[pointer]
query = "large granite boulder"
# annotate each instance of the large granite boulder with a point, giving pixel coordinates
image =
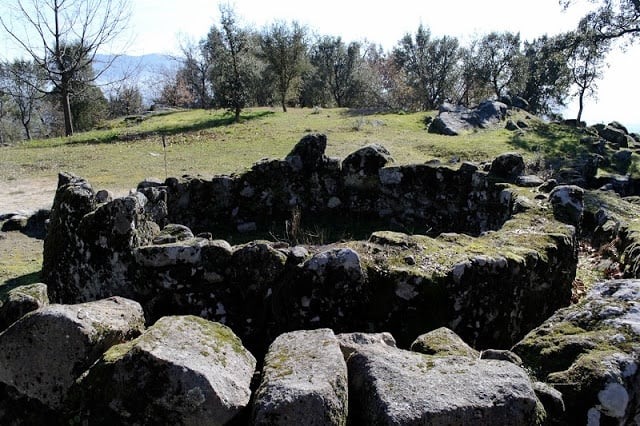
(454, 120)
(43, 353)
(590, 352)
(304, 381)
(449, 124)
(182, 370)
(21, 300)
(393, 386)
(614, 134)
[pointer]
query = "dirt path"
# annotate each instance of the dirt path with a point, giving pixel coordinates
(26, 194)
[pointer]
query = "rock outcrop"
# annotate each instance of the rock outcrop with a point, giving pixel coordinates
(182, 370)
(590, 353)
(454, 120)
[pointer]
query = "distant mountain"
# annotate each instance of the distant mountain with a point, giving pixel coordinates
(145, 71)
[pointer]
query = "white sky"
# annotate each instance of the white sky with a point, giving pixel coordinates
(158, 25)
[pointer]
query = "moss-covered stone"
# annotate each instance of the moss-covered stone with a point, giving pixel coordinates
(589, 352)
(443, 342)
(182, 370)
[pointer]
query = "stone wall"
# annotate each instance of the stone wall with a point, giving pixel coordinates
(495, 264)
(421, 198)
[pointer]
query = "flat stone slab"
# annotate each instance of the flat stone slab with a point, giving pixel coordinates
(304, 381)
(397, 387)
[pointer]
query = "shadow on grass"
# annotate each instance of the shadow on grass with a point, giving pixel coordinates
(32, 278)
(357, 112)
(554, 142)
(170, 130)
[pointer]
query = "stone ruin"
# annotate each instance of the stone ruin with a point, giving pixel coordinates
(495, 265)
(459, 253)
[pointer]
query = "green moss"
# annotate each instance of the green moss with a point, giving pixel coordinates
(117, 352)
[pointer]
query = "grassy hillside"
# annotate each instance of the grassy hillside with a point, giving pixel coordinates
(207, 143)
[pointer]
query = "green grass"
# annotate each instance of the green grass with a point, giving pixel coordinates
(202, 142)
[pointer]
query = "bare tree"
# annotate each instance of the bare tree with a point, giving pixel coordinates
(23, 82)
(64, 36)
(195, 72)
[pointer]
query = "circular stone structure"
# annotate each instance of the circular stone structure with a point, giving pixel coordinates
(354, 245)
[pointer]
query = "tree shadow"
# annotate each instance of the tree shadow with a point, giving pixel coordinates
(555, 143)
(31, 278)
(358, 112)
(171, 130)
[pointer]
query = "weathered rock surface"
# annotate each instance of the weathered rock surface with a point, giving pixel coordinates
(21, 300)
(351, 342)
(392, 386)
(42, 354)
(453, 120)
(568, 203)
(443, 342)
(590, 352)
(88, 253)
(304, 381)
(182, 370)
(508, 166)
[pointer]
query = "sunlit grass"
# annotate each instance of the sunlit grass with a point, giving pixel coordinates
(206, 142)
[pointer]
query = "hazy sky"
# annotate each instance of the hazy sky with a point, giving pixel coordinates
(158, 25)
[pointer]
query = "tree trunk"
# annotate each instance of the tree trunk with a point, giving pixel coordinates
(580, 106)
(66, 109)
(237, 117)
(27, 131)
(283, 101)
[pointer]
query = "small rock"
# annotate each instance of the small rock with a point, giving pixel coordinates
(351, 342)
(551, 399)
(20, 301)
(548, 186)
(103, 196)
(529, 181)
(443, 342)
(501, 355)
(173, 233)
(511, 126)
(15, 223)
